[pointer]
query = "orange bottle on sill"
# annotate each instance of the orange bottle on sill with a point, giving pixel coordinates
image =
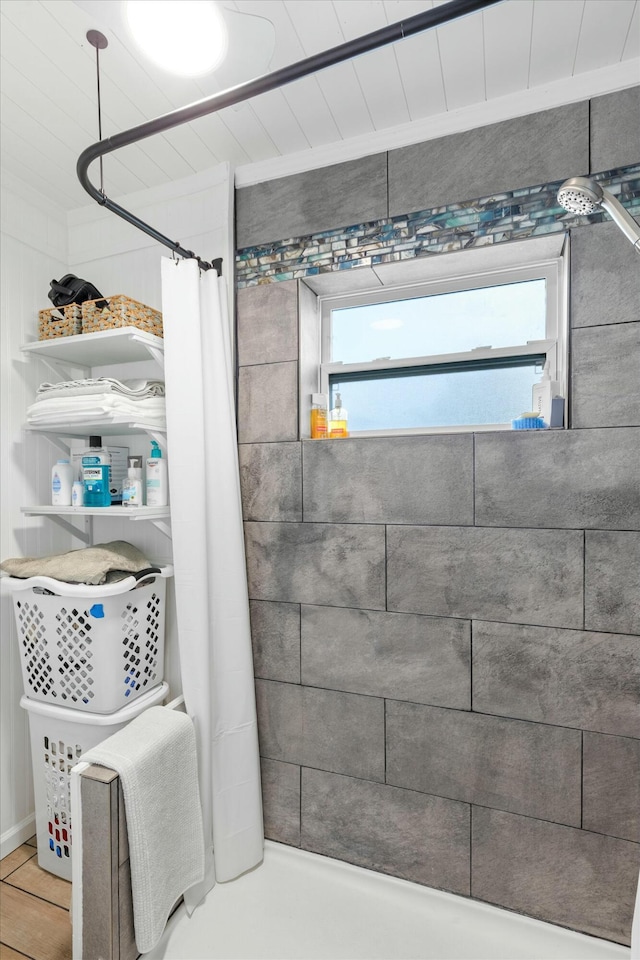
(319, 418)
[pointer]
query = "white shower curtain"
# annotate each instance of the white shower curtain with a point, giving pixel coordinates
(210, 574)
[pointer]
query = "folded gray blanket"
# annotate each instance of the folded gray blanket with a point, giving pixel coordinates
(102, 563)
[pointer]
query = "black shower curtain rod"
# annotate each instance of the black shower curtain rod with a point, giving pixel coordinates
(252, 88)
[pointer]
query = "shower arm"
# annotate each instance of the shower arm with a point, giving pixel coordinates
(621, 217)
(252, 88)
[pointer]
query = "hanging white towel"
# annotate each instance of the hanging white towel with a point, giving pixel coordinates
(155, 756)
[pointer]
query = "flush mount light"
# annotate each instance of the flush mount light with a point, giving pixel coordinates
(187, 37)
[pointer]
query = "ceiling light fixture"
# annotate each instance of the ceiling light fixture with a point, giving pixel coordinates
(187, 37)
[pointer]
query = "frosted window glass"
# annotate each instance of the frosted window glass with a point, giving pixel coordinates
(497, 316)
(465, 397)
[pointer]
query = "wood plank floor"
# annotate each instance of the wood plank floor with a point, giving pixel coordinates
(34, 909)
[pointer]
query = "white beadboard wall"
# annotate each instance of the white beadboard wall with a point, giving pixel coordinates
(34, 250)
(40, 243)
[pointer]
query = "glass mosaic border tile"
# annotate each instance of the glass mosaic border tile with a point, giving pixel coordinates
(528, 212)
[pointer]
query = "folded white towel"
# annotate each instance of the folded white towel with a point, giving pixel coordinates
(155, 756)
(96, 407)
(134, 389)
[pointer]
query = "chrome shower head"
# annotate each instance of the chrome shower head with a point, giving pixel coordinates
(580, 195)
(583, 196)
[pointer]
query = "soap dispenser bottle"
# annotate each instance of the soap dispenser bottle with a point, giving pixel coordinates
(157, 480)
(132, 489)
(338, 420)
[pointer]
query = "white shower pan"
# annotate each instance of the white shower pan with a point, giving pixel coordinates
(299, 906)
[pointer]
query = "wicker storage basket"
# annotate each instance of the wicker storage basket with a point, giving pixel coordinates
(51, 325)
(120, 311)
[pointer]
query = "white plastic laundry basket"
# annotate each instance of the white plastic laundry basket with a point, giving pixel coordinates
(58, 738)
(91, 648)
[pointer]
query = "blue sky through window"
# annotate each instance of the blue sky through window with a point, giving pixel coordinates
(443, 323)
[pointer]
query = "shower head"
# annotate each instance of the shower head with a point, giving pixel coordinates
(584, 196)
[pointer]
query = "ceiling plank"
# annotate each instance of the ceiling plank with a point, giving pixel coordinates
(507, 46)
(317, 28)
(377, 72)
(554, 39)
(598, 47)
(461, 45)
(418, 59)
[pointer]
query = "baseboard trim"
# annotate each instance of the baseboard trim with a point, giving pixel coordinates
(11, 839)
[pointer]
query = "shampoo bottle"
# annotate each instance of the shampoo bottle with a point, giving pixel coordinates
(132, 490)
(338, 420)
(157, 480)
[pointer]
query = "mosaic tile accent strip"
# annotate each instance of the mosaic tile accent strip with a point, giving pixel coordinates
(502, 217)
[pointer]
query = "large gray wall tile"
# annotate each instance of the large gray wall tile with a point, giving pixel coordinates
(275, 635)
(605, 280)
(337, 564)
(268, 322)
(537, 148)
(323, 199)
(271, 481)
(281, 801)
(341, 732)
(564, 478)
(426, 659)
(528, 768)
(605, 375)
(612, 786)
(612, 581)
(568, 677)
(519, 576)
(268, 402)
(577, 879)
(401, 832)
(615, 131)
(394, 480)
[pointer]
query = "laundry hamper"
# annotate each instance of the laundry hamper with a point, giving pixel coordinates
(91, 648)
(58, 738)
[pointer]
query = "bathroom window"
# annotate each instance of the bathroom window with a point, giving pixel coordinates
(456, 352)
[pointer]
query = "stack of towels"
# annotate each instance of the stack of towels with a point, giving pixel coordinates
(99, 400)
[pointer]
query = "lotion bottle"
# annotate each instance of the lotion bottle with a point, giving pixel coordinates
(157, 480)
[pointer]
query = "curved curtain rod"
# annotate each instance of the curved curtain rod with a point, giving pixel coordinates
(252, 88)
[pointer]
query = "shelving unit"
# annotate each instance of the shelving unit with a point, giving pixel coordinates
(122, 345)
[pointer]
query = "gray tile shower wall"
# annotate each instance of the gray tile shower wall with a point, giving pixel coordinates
(446, 628)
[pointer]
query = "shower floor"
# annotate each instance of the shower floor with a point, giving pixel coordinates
(298, 905)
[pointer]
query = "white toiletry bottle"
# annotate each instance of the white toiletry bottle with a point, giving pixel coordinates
(61, 483)
(77, 494)
(157, 480)
(542, 394)
(132, 489)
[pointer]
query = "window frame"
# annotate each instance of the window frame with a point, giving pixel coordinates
(554, 270)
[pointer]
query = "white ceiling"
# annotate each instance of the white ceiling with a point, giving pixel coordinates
(511, 58)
